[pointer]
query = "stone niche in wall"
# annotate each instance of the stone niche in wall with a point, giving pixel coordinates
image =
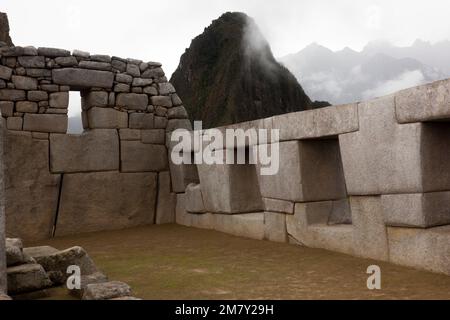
(113, 175)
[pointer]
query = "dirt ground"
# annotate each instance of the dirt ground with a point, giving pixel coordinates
(175, 262)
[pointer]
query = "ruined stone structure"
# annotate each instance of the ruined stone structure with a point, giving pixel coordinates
(115, 174)
(370, 179)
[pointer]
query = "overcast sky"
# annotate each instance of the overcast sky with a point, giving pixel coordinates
(161, 30)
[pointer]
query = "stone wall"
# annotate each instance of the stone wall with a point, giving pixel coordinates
(371, 179)
(115, 174)
(2, 215)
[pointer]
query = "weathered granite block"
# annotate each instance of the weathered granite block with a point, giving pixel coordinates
(163, 101)
(107, 118)
(141, 120)
(167, 200)
(281, 206)
(385, 157)
(94, 99)
(424, 103)
(249, 225)
(37, 95)
(24, 83)
(94, 150)
(26, 278)
(53, 52)
(7, 108)
(194, 199)
(417, 209)
(318, 123)
(369, 229)
(12, 94)
(83, 78)
(14, 123)
(427, 249)
(26, 106)
(127, 200)
(45, 123)
(139, 157)
(31, 191)
(153, 136)
(133, 101)
(5, 73)
(275, 227)
(32, 61)
(130, 134)
(106, 290)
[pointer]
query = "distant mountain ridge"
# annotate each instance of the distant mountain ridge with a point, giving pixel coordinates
(229, 75)
(380, 68)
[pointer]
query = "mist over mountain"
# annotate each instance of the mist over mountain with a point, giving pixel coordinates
(229, 75)
(380, 68)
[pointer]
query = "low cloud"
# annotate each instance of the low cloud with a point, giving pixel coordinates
(403, 81)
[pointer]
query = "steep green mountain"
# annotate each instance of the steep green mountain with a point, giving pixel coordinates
(4, 29)
(229, 75)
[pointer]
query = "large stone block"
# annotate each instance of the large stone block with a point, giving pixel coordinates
(107, 118)
(385, 157)
(94, 150)
(12, 94)
(142, 121)
(417, 209)
(136, 156)
(133, 101)
(194, 199)
(369, 229)
(230, 188)
(167, 200)
(106, 290)
(31, 191)
(45, 123)
(249, 225)
(308, 227)
(427, 249)
(202, 220)
(106, 201)
(181, 215)
(24, 83)
(281, 206)
(59, 100)
(94, 99)
(424, 103)
(83, 78)
(55, 263)
(382, 157)
(26, 278)
(308, 171)
(275, 227)
(317, 123)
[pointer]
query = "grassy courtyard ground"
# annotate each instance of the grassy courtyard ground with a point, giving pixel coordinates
(175, 262)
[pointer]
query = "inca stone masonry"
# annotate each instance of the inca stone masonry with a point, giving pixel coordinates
(371, 179)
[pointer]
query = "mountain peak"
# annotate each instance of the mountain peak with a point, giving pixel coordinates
(229, 75)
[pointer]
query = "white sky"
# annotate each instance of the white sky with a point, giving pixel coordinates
(161, 30)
